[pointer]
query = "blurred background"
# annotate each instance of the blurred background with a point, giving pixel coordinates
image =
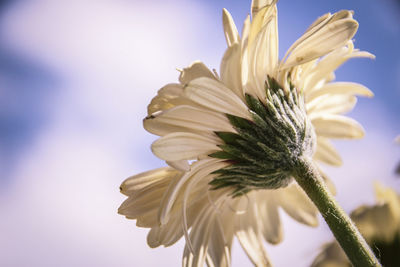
(75, 80)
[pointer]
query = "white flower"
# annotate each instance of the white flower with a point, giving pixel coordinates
(197, 118)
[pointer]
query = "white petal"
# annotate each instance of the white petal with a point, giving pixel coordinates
(198, 170)
(199, 236)
(164, 97)
(194, 71)
(263, 58)
(187, 119)
(215, 96)
(322, 71)
(257, 5)
(219, 244)
(337, 126)
(183, 146)
(249, 237)
(340, 88)
(269, 215)
(231, 70)
(294, 201)
(180, 165)
(324, 40)
(230, 30)
(142, 180)
(327, 153)
(330, 104)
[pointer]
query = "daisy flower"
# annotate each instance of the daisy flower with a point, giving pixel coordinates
(231, 140)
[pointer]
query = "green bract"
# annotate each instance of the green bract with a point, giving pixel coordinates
(264, 151)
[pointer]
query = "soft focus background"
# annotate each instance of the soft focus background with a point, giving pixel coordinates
(75, 80)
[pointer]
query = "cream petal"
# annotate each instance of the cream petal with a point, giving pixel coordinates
(164, 97)
(220, 242)
(198, 170)
(145, 179)
(183, 146)
(180, 165)
(318, 25)
(340, 88)
(231, 69)
(249, 236)
(216, 96)
(295, 203)
(330, 104)
(337, 126)
(327, 65)
(194, 71)
(230, 30)
(327, 153)
(263, 59)
(187, 119)
(268, 210)
(322, 41)
(199, 236)
(257, 5)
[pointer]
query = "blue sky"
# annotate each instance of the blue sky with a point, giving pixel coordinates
(75, 80)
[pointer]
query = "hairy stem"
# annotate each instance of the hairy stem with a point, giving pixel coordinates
(344, 230)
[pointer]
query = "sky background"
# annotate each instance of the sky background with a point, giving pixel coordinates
(75, 81)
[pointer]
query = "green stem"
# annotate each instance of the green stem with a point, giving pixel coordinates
(344, 230)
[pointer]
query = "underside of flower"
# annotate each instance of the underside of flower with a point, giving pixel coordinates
(265, 149)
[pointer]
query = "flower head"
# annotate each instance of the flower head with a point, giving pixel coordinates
(242, 132)
(379, 224)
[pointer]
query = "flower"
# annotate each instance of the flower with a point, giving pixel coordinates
(230, 139)
(379, 224)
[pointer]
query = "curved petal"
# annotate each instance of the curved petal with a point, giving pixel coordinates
(231, 69)
(216, 96)
(327, 153)
(183, 146)
(330, 104)
(230, 30)
(249, 236)
(322, 41)
(335, 88)
(194, 71)
(145, 179)
(187, 119)
(271, 226)
(295, 203)
(199, 169)
(166, 98)
(337, 126)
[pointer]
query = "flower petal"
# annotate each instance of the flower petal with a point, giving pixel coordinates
(294, 201)
(269, 215)
(330, 36)
(249, 236)
(337, 126)
(263, 58)
(216, 96)
(199, 169)
(330, 104)
(183, 146)
(164, 98)
(230, 30)
(145, 179)
(187, 119)
(231, 70)
(347, 88)
(196, 70)
(327, 153)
